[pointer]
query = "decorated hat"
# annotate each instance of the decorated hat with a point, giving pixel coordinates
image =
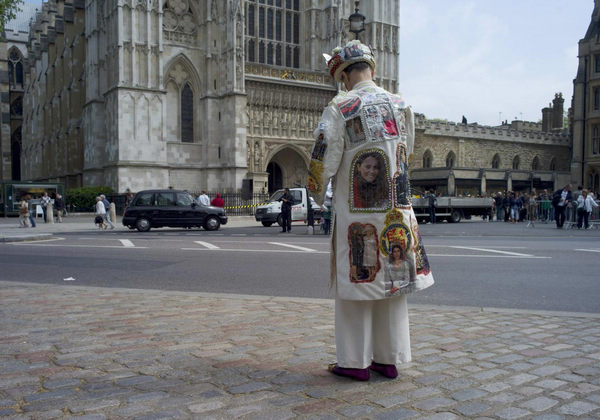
(353, 52)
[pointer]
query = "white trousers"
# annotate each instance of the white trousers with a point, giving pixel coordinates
(372, 330)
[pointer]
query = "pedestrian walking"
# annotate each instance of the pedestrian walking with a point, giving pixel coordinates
(31, 205)
(59, 207)
(23, 212)
(45, 201)
(560, 200)
(371, 324)
(106, 216)
(585, 205)
(100, 218)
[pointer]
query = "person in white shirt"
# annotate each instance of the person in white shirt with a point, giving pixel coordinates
(585, 203)
(203, 199)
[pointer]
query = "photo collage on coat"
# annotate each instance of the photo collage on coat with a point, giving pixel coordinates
(364, 252)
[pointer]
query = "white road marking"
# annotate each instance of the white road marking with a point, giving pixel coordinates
(76, 246)
(516, 254)
(588, 250)
(69, 279)
(258, 250)
(301, 248)
(126, 243)
(488, 256)
(207, 245)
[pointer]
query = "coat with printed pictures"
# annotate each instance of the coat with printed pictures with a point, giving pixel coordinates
(363, 141)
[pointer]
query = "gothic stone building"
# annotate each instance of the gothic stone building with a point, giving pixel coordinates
(461, 159)
(585, 117)
(221, 94)
(196, 94)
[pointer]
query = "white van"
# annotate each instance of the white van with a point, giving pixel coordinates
(270, 212)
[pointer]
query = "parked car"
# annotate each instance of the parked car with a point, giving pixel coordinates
(270, 212)
(170, 208)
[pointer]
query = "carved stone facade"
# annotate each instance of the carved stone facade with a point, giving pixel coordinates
(585, 116)
(210, 94)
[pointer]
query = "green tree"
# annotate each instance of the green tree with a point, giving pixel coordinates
(8, 11)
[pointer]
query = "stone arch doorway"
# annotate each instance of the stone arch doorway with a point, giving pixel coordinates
(287, 168)
(275, 177)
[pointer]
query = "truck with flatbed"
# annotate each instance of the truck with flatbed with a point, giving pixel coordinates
(453, 209)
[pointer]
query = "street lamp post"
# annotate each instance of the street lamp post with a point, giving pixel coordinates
(357, 21)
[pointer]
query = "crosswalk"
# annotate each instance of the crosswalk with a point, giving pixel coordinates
(305, 245)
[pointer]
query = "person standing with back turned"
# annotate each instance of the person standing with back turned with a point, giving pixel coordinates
(371, 312)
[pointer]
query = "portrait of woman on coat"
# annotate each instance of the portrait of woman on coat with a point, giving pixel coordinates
(370, 183)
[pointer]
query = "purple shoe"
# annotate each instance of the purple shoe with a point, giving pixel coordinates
(389, 371)
(358, 374)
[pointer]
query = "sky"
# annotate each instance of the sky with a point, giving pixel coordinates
(489, 60)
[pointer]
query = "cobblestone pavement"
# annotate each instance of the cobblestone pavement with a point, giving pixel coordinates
(95, 353)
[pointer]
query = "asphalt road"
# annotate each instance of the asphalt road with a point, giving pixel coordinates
(471, 266)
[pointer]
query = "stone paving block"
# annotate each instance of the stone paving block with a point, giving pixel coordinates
(520, 379)
(471, 409)
(90, 417)
(433, 404)
(512, 413)
(161, 415)
(494, 387)
(390, 401)
(539, 404)
(504, 398)
(563, 395)
(424, 393)
(578, 408)
(550, 383)
(468, 394)
(441, 416)
(397, 414)
(355, 411)
(203, 407)
(548, 417)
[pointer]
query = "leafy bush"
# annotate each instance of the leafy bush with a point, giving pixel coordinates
(84, 198)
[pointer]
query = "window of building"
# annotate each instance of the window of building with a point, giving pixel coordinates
(15, 68)
(16, 107)
(516, 163)
(596, 99)
(427, 159)
(597, 64)
(496, 161)
(187, 114)
(553, 164)
(278, 33)
(595, 139)
(535, 164)
(450, 160)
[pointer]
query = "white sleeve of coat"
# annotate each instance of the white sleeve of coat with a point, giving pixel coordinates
(328, 152)
(410, 129)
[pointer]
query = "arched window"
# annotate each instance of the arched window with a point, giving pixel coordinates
(16, 107)
(187, 114)
(516, 162)
(553, 164)
(427, 159)
(496, 161)
(250, 53)
(15, 68)
(535, 164)
(450, 160)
